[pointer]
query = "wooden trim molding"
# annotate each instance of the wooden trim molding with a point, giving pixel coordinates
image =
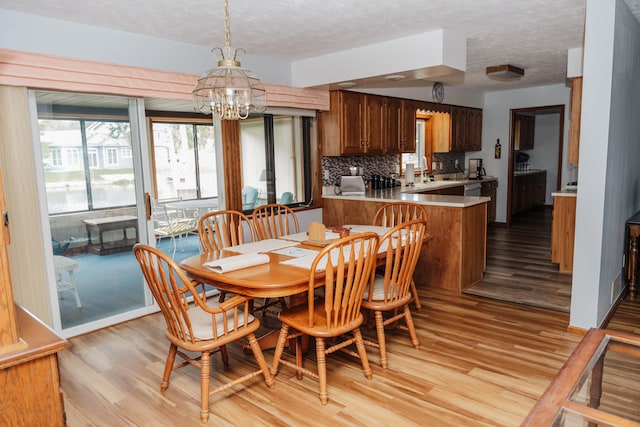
(39, 71)
(232, 156)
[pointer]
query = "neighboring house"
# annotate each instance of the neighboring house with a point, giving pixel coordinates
(66, 152)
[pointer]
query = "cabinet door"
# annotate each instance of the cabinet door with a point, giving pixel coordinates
(459, 128)
(408, 126)
(352, 139)
(395, 126)
(574, 126)
(474, 142)
(374, 126)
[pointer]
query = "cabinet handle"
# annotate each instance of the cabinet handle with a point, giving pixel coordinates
(362, 143)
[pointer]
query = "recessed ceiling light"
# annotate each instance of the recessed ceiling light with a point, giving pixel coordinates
(346, 84)
(395, 77)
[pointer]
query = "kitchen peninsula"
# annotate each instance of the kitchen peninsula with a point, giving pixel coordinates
(455, 257)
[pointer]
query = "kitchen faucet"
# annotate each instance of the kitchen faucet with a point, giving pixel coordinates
(424, 166)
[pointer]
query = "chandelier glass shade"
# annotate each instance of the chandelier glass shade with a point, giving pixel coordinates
(229, 92)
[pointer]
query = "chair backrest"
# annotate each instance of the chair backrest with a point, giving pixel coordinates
(401, 248)
(170, 288)
(348, 265)
(286, 198)
(396, 213)
(274, 220)
(249, 197)
(220, 229)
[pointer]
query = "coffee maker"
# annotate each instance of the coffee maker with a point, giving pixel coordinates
(476, 171)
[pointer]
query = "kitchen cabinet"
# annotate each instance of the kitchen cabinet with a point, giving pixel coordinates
(490, 189)
(394, 125)
(465, 131)
(528, 191)
(563, 230)
(408, 126)
(574, 126)
(449, 191)
(361, 124)
(524, 132)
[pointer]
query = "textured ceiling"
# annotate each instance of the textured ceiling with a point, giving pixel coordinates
(534, 35)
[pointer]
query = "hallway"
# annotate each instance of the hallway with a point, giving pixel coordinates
(519, 267)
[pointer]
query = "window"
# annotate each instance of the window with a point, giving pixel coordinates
(55, 158)
(125, 152)
(184, 159)
(275, 160)
(72, 157)
(112, 156)
(419, 157)
(78, 179)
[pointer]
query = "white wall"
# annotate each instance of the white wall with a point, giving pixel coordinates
(31, 33)
(609, 177)
(545, 152)
(496, 122)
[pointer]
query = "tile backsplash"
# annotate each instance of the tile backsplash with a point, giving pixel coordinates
(371, 165)
(384, 165)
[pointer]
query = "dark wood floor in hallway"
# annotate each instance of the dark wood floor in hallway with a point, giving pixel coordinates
(519, 267)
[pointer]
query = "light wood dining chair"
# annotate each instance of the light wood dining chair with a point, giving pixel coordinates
(391, 291)
(344, 269)
(219, 230)
(274, 220)
(392, 214)
(197, 327)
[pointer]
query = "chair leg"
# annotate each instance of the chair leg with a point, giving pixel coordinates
(322, 370)
(416, 299)
(257, 353)
(168, 367)
(382, 343)
(411, 327)
(362, 352)
(282, 340)
(205, 370)
(225, 356)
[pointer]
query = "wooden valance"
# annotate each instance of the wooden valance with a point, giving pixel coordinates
(39, 71)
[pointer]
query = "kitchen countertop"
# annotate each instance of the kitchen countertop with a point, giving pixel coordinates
(411, 194)
(565, 193)
(527, 172)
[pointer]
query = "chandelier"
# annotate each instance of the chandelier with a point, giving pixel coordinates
(229, 92)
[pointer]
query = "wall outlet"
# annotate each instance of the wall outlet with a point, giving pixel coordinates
(326, 174)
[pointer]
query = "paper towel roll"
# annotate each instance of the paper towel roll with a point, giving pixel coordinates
(409, 176)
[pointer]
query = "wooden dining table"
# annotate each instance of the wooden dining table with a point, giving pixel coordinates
(270, 280)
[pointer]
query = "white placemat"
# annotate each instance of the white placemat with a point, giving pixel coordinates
(237, 262)
(261, 246)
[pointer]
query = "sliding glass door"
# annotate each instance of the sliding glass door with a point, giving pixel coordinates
(94, 180)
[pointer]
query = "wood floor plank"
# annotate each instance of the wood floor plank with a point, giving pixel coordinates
(481, 362)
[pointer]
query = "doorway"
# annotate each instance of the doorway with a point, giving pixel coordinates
(544, 133)
(92, 175)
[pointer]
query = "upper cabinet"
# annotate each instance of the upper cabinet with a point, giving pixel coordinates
(525, 126)
(358, 124)
(408, 126)
(574, 127)
(460, 131)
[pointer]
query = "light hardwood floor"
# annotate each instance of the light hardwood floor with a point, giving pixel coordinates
(481, 362)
